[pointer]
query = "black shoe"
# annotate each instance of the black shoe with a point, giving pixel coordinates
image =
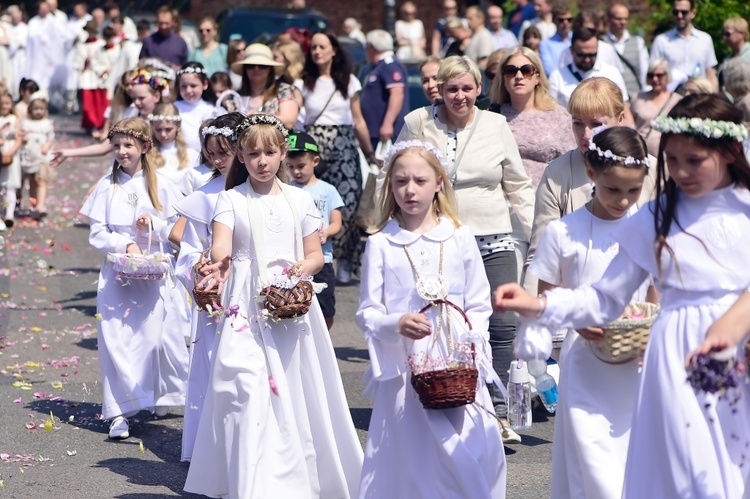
(9, 223)
(38, 215)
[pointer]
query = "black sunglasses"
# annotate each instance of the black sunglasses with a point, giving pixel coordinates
(490, 74)
(584, 55)
(527, 70)
(727, 34)
(676, 12)
(565, 19)
(255, 66)
(655, 75)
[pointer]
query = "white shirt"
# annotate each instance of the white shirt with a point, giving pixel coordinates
(193, 114)
(503, 39)
(562, 82)
(338, 111)
(547, 29)
(605, 53)
(687, 56)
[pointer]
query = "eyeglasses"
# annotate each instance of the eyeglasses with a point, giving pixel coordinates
(527, 70)
(208, 30)
(565, 19)
(680, 12)
(584, 55)
(655, 75)
(727, 34)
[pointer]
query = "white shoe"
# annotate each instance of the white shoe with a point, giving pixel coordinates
(508, 434)
(119, 428)
(161, 411)
(343, 271)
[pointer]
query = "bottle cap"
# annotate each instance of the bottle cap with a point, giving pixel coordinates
(518, 372)
(536, 367)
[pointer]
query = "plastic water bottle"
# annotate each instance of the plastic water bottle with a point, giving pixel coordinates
(546, 386)
(519, 396)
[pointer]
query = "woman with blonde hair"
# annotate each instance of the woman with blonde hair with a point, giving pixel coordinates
(657, 101)
(485, 168)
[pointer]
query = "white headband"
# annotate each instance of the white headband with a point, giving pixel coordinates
(401, 146)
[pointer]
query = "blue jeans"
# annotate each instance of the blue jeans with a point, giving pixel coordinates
(501, 268)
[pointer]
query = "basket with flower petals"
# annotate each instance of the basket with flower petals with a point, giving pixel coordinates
(445, 382)
(289, 296)
(625, 339)
(141, 266)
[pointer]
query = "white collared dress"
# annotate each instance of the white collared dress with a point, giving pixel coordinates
(412, 451)
(142, 353)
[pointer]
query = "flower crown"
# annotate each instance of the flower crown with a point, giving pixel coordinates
(192, 70)
(705, 127)
(626, 160)
(398, 147)
(260, 119)
(164, 117)
(155, 80)
(132, 133)
(158, 64)
(212, 130)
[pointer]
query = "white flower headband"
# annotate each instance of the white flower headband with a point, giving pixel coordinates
(163, 117)
(191, 70)
(261, 119)
(401, 146)
(626, 160)
(168, 72)
(705, 127)
(212, 130)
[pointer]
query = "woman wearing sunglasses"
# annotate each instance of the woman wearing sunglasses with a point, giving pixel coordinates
(261, 91)
(486, 169)
(210, 52)
(520, 92)
(657, 101)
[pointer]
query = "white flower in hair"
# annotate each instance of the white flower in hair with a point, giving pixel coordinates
(626, 160)
(212, 130)
(704, 127)
(191, 70)
(407, 144)
(163, 117)
(261, 119)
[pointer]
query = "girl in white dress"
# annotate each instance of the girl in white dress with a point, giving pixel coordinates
(196, 212)
(39, 135)
(142, 355)
(173, 158)
(692, 239)
(10, 175)
(275, 421)
(412, 451)
(593, 417)
(195, 101)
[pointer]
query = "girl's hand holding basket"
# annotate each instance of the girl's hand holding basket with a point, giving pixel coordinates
(414, 325)
(216, 274)
(143, 223)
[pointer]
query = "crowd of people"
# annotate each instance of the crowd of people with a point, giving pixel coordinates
(558, 163)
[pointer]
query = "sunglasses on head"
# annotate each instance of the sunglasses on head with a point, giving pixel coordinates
(584, 55)
(677, 12)
(527, 70)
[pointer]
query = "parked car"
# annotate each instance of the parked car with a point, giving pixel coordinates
(262, 24)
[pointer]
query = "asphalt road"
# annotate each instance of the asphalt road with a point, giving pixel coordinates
(49, 370)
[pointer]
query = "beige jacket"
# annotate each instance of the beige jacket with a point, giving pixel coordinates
(564, 188)
(489, 170)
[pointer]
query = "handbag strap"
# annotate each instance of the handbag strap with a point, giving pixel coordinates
(658, 113)
(324, 107)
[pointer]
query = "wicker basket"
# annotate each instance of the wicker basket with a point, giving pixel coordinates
(625, 339)
(447, 388)
(204, 298)
(288, 302)
(141, 266)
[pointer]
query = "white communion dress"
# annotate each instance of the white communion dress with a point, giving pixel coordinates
(198, 209)
(275, 421)
(142, 355)
(412, 451)
(681, 444)
(595, 408)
